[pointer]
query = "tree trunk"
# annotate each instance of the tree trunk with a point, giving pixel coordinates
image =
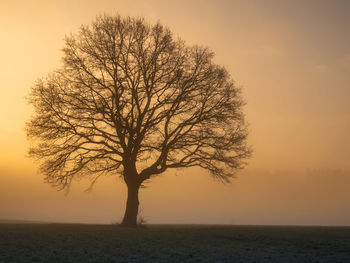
(132, 206)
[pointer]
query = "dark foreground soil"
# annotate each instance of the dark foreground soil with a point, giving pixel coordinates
(172, 243)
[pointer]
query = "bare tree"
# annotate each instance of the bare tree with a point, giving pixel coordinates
(132, 101)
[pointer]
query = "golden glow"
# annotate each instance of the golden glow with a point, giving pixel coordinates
(293, 60)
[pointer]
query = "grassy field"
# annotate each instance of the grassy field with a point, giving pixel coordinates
(172, 243)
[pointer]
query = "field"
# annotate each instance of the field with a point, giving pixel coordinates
(172, 243)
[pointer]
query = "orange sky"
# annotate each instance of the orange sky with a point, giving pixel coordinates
(292, 59)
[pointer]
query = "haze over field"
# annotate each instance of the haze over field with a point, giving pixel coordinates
(292, 59)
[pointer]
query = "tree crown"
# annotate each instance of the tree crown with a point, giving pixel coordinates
(132, 100)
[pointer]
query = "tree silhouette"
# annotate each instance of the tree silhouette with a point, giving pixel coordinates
(131, 100)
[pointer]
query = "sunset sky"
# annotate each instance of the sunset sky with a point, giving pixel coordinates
(292, 59)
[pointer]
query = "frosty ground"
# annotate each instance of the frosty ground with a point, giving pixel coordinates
(172, 243)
